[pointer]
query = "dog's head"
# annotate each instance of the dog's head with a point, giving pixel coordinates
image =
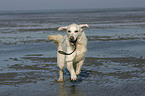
(73, 32)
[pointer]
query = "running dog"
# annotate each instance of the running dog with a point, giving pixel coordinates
(71, 49)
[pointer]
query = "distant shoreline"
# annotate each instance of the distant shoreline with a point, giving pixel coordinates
(76, 10)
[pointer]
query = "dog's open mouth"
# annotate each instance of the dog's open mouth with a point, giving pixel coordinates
(73, 43)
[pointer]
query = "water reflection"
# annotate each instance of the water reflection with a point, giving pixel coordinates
(72, 87)
(69, 90)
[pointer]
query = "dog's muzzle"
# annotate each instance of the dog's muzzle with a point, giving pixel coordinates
(72, 40)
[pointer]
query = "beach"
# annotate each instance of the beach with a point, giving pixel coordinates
(114, 63)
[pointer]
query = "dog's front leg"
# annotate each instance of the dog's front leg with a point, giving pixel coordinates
(79, 65)
(71, 70)
(61, 64)
(60, 75)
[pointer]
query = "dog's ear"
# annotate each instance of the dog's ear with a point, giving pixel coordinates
(84, 25)
(61, 28)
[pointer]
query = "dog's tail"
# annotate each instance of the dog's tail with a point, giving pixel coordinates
(55, 38)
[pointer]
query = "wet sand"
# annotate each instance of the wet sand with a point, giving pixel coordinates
(99, 76)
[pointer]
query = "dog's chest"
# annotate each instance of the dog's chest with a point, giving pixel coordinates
(80, 53)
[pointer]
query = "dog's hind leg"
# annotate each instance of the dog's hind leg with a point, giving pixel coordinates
(79, 65)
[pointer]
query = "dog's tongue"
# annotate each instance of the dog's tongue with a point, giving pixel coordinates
(73, 44)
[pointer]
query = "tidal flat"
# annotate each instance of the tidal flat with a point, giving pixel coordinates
(114, 63)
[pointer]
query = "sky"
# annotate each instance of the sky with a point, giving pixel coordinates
(68, 4)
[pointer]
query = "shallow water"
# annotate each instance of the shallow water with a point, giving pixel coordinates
(114, 65)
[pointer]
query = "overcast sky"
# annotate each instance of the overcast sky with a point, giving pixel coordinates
(67, 4)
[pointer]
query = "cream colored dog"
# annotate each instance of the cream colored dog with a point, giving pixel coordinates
(71, 49)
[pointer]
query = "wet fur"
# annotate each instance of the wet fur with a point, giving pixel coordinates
(77, 58)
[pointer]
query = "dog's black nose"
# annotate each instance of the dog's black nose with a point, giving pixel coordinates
(71, 38)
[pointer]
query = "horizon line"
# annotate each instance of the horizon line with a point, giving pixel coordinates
(74, 9)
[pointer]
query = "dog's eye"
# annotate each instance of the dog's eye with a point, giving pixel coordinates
(76, 31)
(69, 31)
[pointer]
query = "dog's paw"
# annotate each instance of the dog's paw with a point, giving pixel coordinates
(73, 78)
(60, 79)
(77, 72)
